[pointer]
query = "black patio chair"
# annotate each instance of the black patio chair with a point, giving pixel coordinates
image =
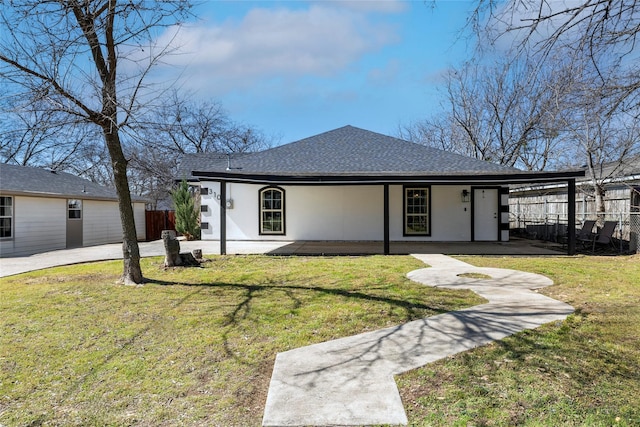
(604, 236)
(586, 232)
(585, 235)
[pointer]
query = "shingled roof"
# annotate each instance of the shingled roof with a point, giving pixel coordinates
(23, 180)
(344, 152)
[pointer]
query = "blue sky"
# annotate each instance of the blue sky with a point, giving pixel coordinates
(298, 68)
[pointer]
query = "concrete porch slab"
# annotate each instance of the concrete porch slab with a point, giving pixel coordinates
(513, 247)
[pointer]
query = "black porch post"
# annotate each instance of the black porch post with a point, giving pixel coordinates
(571, 217)
(223, 217)
(386, 219)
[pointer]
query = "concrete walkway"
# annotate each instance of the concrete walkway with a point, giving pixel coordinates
(16, 265)
(350, 381)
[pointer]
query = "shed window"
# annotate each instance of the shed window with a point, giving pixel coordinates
(6, 217)
(74, 209)
(416, 211)
(272, 210)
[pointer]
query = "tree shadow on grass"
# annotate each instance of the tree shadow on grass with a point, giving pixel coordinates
(242, 309)
(238, 312)
(559, 363)
(250, 293)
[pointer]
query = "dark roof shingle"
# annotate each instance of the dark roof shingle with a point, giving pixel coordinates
(16, 179)
(345, 151)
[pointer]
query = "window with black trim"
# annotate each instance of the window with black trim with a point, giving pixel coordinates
(272, 210)
(6, 217)
(416, 211)
(74, 209)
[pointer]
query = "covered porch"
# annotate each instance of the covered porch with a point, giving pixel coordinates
(514, 246)
(389, 246)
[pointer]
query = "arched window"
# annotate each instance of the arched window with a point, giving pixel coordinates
(272, 210)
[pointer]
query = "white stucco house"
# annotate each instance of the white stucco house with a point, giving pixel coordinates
(351, 184)
(43, 210)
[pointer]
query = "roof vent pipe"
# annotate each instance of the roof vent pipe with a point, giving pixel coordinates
(229, 163)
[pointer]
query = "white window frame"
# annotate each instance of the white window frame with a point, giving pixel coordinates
(74, 205)
(271, 210)
(6, 213)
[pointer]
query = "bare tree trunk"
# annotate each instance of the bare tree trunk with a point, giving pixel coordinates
(600, 206)
(132, 273)
(52, 55)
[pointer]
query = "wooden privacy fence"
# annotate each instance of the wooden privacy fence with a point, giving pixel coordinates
(156, 221)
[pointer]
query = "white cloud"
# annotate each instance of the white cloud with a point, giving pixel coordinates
(284, 43)
(386, 75)
(382, 6)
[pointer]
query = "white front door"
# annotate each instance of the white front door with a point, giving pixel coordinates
(485, 214)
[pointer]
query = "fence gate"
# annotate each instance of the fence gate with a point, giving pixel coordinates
(156, 221)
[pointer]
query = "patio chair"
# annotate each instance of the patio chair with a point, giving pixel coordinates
(605, 235)
(586, 234)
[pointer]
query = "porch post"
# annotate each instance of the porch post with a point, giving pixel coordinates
(386, 219)
(571, 217)
(223, 217)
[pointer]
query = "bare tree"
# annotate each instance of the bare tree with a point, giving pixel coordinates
(600, 36)
(88, 59)
(439, 131)
(32, 137)
(178, 125)
(604, 140)
(604, 31)
(506, 113)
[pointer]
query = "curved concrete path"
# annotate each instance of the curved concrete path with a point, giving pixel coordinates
(350, 381)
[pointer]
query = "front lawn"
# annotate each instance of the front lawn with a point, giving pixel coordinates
(193, 346)
(581, 372)
(196, 346)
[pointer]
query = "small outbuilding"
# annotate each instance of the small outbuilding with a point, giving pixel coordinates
(350, 184)
(43, 210)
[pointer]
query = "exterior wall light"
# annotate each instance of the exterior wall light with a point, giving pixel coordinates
(465, 196)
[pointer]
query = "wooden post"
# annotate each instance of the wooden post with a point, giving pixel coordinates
(223, 217)
(571, 217)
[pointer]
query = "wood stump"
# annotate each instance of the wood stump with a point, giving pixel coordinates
(172, 255)
(171, 249)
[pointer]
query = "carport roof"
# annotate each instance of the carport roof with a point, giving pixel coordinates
(349, 154)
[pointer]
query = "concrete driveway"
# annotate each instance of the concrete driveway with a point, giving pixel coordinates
(16, 265)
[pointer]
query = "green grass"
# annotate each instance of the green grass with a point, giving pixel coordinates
(193, 346)
(581, 372)
(196, 346)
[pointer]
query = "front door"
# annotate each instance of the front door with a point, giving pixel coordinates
(485, 214)
(74, 223)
